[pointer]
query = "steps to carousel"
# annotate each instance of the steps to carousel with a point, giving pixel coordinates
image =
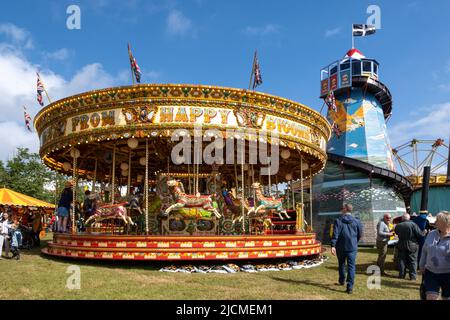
(92, 246)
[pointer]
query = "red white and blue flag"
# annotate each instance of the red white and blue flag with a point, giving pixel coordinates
(330, 100)
(257, 80)
(27, 119)
(336, 130)
(40, 89)
(134, 66)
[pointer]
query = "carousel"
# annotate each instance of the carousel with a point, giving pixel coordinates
(185, 172)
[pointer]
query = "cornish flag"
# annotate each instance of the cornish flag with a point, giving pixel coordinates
(354, 54)
(362, 30)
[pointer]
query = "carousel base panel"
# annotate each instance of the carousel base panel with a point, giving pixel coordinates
(176, 248)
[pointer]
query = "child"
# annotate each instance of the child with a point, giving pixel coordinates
(16, 239)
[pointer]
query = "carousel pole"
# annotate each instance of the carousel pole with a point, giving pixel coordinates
(243, 186)
(113, 183)
(310, 200)
(129, 175)
(74, 193)
(189, 178)
(301, 190)
(146, 186)
(94, 181)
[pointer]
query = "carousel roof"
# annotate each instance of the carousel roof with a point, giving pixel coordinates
(12, 198)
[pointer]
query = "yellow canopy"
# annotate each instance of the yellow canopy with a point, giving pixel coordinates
(9, 197)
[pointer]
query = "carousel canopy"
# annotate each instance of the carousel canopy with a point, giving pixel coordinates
(12, 198)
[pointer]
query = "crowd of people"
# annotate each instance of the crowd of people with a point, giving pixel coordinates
(418, 247)
(14, 231)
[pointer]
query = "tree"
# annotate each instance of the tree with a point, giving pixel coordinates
(25, 173)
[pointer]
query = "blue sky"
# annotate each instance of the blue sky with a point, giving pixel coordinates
(212, 42)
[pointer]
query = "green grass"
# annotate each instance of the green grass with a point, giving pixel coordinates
(41, 277)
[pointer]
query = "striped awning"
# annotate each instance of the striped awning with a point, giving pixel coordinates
(9, 197)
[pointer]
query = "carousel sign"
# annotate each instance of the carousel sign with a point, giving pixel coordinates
(240, 117)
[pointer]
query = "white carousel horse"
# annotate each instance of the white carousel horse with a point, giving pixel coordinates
(184, 200)
(115, 211)
(267, 203)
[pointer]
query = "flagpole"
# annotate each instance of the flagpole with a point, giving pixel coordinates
(131, 66)
(353, 39)
(253, 71)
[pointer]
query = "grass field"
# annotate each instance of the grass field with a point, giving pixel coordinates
(40, 277)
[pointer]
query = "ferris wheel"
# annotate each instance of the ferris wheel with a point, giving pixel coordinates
(414, 155)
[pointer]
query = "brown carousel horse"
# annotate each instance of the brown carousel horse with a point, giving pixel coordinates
(184, 200)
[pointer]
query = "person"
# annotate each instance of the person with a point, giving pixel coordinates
(424, 226)
(36, 227)
(16, 239)
(435, 260)
(347, 232)
(5, 225)
(409, 236)
(384, 233)
(64, 206)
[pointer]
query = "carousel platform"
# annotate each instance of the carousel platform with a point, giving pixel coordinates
(181, 248)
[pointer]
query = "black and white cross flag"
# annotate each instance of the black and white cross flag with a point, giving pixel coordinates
(362, 30)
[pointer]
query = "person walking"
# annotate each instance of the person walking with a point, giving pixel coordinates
(64, 206)
(409, 236)
(347, 232)
(435, 259)
(384, 233)
(424, 226)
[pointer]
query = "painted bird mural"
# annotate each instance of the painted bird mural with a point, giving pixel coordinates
(344, 121)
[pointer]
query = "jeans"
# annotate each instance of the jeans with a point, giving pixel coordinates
(407, 260)
(348, 258)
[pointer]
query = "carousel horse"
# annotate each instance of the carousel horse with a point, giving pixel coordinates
(114, 211)
(184, 200)
(135, 203)
(234, 204)
(267, 203)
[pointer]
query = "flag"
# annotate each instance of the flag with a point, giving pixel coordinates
(330, 100)
(27, 119)
(257, 80)
(336, 130)
(362, 30)
(134, 66)
(354, 54)
(40, 89)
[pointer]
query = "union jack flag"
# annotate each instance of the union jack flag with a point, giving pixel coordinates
(330, 100)
(40, 89)
(27, 119)
(257, 72)
(134, 66)
(336, 130)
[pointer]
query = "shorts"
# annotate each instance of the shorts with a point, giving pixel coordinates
(435, 281)
(63, 212)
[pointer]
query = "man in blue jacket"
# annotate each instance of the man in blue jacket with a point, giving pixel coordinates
(346, 234)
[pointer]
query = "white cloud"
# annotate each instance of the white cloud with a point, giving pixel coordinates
(445, 87)
(22, 138)
(178, 23)
(431, 124)
(263, 30)
(17, 35)
(332, 32)
(61, 54)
